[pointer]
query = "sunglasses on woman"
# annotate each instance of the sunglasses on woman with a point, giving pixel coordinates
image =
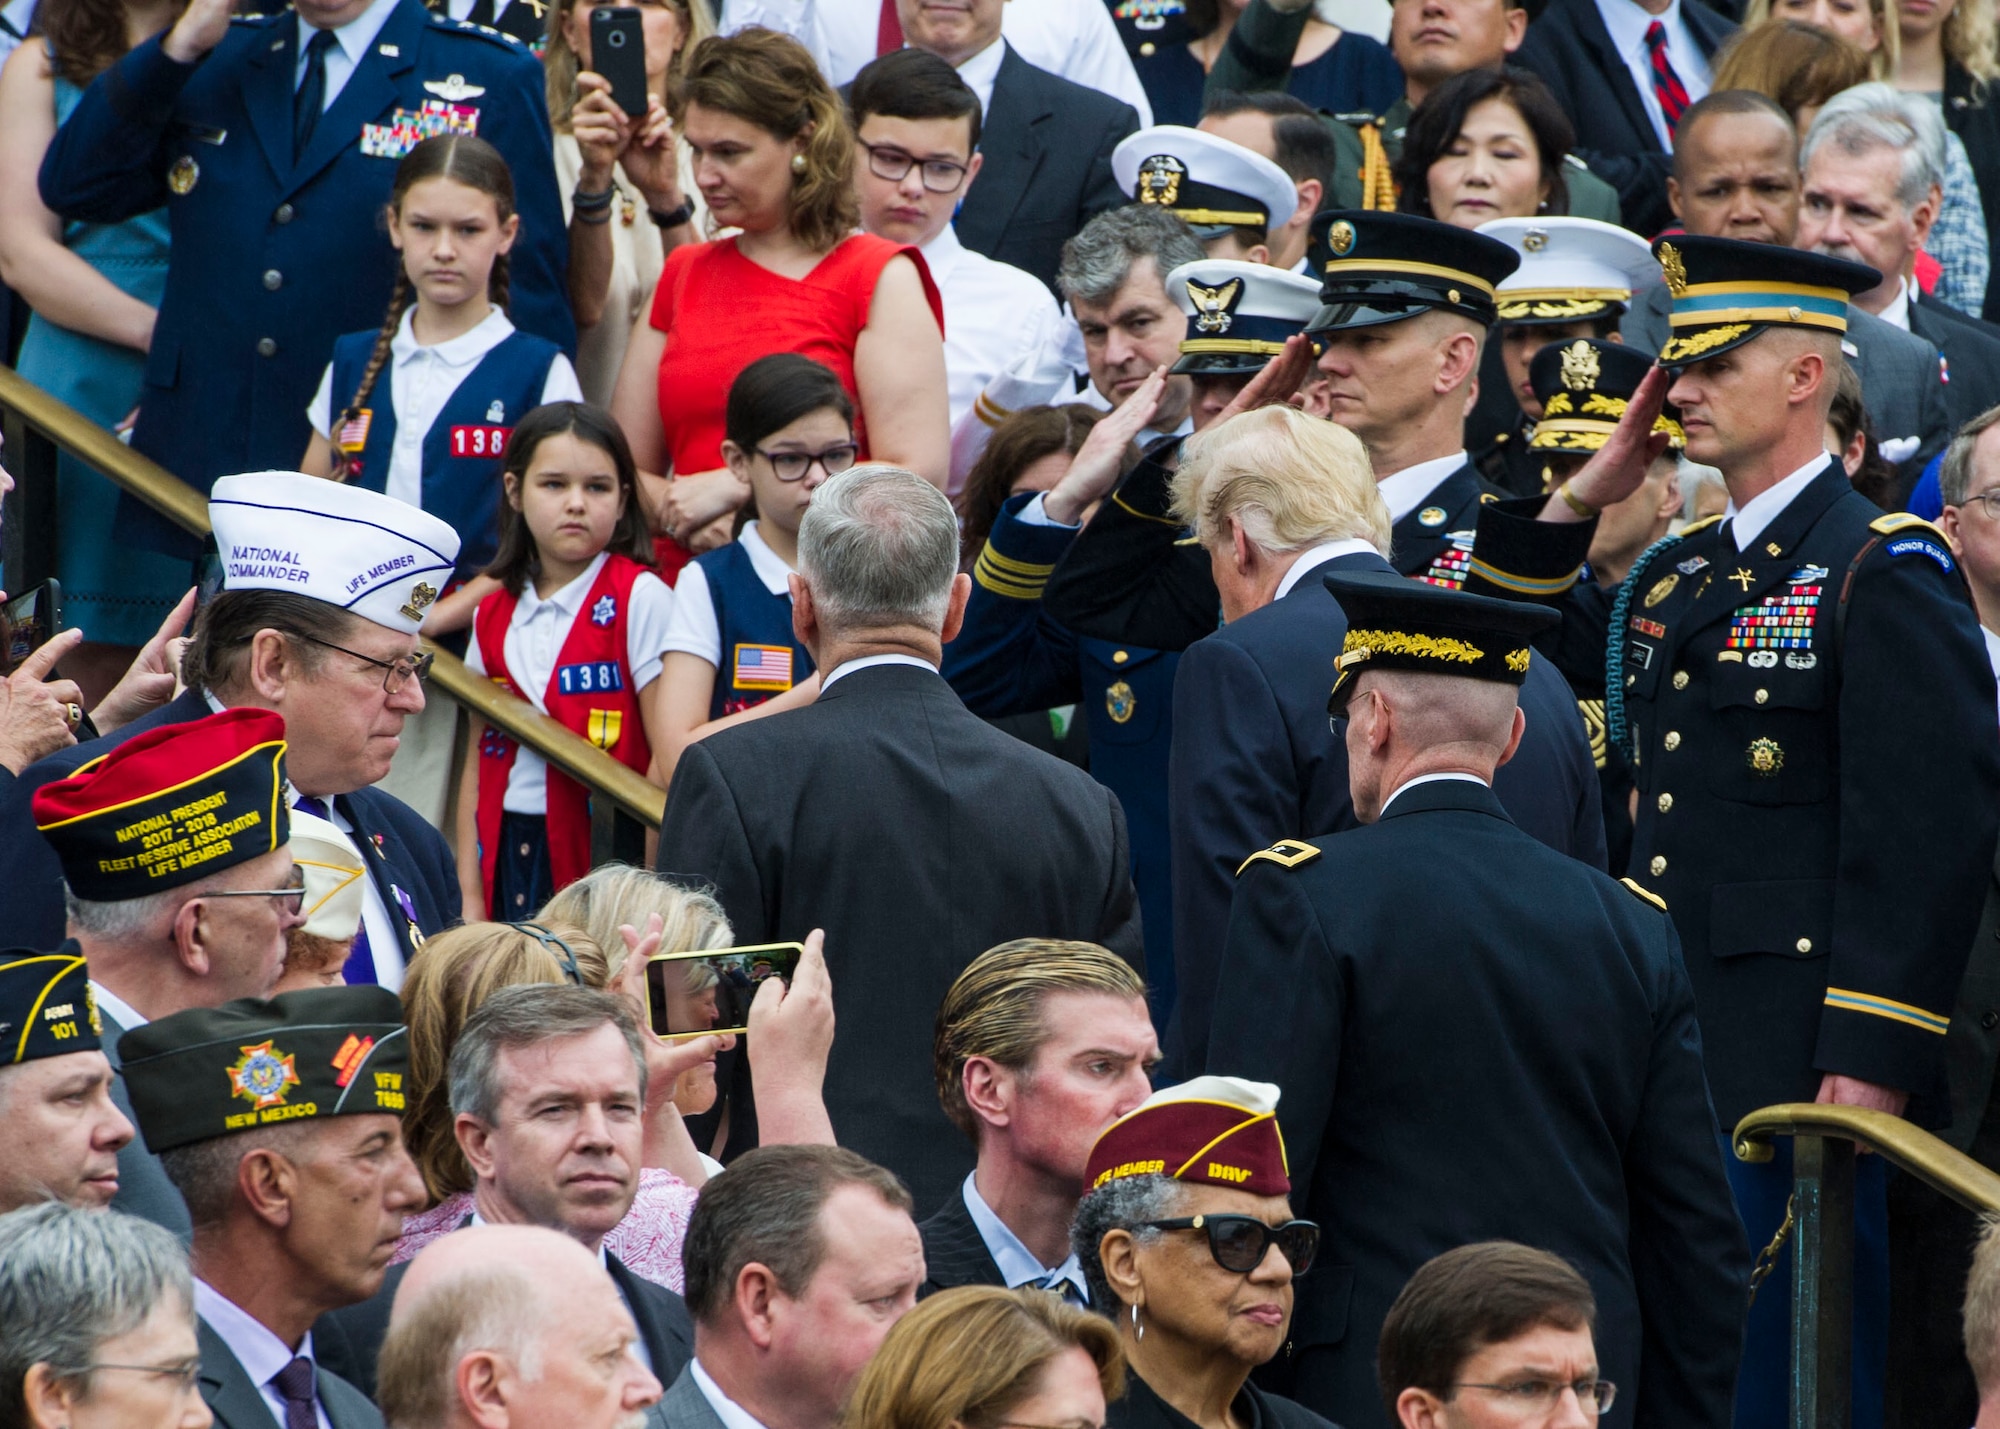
(1239, 1243)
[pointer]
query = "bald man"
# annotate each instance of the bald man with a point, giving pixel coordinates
(511, 1327)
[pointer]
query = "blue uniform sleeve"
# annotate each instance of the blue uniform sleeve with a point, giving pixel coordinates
(1010, 657)
(107, 161)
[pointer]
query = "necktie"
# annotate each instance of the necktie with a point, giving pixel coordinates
(296, 1384)
(1667, 86)
(360, 966)
(888, 29)
(311, 96)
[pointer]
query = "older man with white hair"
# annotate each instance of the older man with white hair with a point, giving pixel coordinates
(913, 832)
(1874, 163)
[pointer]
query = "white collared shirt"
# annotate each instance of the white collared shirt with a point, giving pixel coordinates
(15, 18)
(848, 667)
(261, 1353)
(1897, 313)
(534, 641)
(994, 316)
(982, 72)
(1017, 1264)
(110, 1004)
(694, 629)
(1319, 555)
(1628, 22)
(732, 1414)
(421, 380)
(1431, 779)
(1748, 524)
(1405, 490)
(350, 48)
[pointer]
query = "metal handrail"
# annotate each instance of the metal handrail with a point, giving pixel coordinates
(180, 503)
(1909, 1148)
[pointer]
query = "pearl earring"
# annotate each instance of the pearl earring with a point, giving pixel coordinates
(798, 163)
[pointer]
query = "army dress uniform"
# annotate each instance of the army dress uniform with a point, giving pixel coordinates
(277, 253)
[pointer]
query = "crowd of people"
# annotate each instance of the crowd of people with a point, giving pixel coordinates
(1340, 630)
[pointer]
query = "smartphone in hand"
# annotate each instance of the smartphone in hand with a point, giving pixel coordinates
(709, 991)
(618, 52)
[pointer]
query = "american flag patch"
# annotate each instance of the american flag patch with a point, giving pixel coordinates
(762, 667)
(353, 435)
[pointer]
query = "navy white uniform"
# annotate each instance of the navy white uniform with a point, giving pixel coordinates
(275, 256)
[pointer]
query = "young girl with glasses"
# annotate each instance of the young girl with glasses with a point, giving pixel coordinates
(575, 628)
(731, 653)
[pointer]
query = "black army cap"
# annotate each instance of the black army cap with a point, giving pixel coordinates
(1726, 291)
(1395, 623)
(1584, 386)
(319, 1052)
(1385, 267)
(46, 1007)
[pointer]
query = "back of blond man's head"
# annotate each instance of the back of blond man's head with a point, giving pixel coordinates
(1290, 481)
(1982, 1310)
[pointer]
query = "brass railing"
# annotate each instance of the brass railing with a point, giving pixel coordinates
(1821, 1225)
(37, 427)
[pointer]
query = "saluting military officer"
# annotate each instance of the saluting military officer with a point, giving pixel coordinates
(1229, 195)
(1768, 675)
(1478, 1037)
(272, 140)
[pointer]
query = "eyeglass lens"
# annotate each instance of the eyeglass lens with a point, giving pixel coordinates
(1238, 1243)
(941, 176)
(793, 466)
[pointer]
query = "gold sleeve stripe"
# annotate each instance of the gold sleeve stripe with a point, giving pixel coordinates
(989, 411)
(1013, 567)
(1884, 1007)
(1526, 585)
(992, 573)
(1118, 500)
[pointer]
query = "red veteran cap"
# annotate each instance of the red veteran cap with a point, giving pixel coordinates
(1221, 1131)
(174, 804)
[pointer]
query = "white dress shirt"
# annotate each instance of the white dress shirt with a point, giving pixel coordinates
(1628, 22)
(994, 316)
(848, 667)
(261, 1353)
(1897, 314)
(1430, 779)
(534, 640)
(351, 45)
(982, 72)
(732, 1414)
(1318, 555)
(1018, 1265)
(693, 629)
(421, 380)
(1408, 488)
(1748, 524)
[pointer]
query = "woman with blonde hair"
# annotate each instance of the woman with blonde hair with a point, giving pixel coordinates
(1799, 66)
(1950, 53)
(980, 1357)
(773, 157)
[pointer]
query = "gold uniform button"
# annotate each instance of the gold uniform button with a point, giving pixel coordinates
(1147, 50)
(1658, 865)
(1666, 802)
(1119, 657)
(1805, 945)
(1762, 696)
(1680, 679)
(1673, 739)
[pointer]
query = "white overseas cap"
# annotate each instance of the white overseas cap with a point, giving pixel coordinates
(1572, 269)
(334, 874)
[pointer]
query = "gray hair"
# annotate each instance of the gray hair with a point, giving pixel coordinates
(879, 547)
(204, 1172)
(524, 1016)
(1122, 1205)
(1874, 116)
(1098, 260)
(72, 1279)
(1955, 476)
(122, 920)
(494, 1308)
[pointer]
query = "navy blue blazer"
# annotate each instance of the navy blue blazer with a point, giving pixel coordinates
(1254, 761)
(407, 853)
(1971, 351)
(273, 260)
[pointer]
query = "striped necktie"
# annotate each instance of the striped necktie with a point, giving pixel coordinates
(1667, 86)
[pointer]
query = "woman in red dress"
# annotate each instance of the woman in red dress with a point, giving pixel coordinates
(774, 158)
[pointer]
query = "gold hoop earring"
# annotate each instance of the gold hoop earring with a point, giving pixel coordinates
(798, 163)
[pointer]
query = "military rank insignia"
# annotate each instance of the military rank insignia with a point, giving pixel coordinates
(1451, 564)
(1781, 620)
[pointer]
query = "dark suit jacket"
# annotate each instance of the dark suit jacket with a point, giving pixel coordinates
(1569, 47)
(143, 1187)
(955, 1252)
(348, 1341)
(409, 854)
(1971, 351)
(1254, 761)
(1480, 1039)
(236, 1403)
(1048, 144)
(917, 836)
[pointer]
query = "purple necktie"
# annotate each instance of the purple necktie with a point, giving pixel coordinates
(296, 1384)
(360, 966)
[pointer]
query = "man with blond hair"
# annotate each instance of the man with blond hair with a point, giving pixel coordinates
(1040, 1045)
(1982, 1323)
(1280, 500)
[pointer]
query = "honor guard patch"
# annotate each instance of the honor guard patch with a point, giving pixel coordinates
(1646, 893)
(1921, 546)
(1288, 853)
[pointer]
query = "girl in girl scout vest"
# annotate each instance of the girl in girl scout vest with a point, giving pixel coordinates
(788, 426)
(458, 374)
(576, 629)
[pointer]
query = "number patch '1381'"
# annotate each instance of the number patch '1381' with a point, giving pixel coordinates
(591, 678)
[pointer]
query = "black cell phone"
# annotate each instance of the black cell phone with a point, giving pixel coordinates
(32, 619)
(699, 993)
(618, 52)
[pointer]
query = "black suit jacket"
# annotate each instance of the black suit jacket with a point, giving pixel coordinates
(1480, 1039)
(407, 853)
(1048, 144)
(1971, 351)
(237, 1403)
(143, 1187)
(1569, 47)
(917, 836)
(955, 1252)
(1254, 761)
(349, 1341)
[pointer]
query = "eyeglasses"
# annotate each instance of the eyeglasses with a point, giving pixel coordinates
(1239, 1243)
(1989, 500)
(941, 176)
(185, 1371)
(290, 899)
(396, 673)
(555, 945)
(1540, 1396)
(793, 466)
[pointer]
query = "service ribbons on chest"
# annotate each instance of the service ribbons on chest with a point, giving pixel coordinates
(1780, 620)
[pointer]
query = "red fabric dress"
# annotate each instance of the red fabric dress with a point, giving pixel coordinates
(721, 312)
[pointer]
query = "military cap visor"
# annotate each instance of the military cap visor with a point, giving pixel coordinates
(1387, 267)
(1395, 623)
(46, 1007)
(1584, 386)
(1725, 291)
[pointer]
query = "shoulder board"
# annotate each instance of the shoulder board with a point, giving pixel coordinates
(1288, 853)
(443, 21)
(1574, 162)
(1651, 897)
(1701, 525)
(284, 14)
(1359, 118)
(1902, 521)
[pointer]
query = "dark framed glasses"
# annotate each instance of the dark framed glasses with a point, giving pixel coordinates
(1239, 1243)
(793, 466)
(940, 176)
